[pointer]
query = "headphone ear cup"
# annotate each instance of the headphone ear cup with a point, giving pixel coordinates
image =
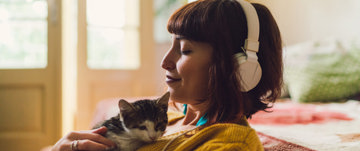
(240, 57)
(249, 72)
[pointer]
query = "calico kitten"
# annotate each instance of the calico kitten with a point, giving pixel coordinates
(137, 123)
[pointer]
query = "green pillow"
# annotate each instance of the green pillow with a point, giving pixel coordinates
(323, 71)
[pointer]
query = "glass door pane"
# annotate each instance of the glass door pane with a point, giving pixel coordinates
(112, 34)
(23, 34)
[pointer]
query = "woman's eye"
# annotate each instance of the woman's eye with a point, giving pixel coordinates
(186, 52)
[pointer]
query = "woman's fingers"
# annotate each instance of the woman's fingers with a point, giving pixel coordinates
(99, 136)
(92, 135)
(102, 130)
(90, 140)
(90, 145)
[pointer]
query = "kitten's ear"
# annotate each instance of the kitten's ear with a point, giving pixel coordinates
(164, 100)
(124, 105)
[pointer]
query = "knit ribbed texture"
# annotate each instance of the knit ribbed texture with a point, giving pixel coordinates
(217, 137)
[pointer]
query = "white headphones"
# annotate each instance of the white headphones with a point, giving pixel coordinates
(249, 67)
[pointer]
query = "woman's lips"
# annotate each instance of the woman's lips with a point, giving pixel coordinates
(170, 79)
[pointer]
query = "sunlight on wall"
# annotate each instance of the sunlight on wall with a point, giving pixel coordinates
(69, 68)
(303, 20)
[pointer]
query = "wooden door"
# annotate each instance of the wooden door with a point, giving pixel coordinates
(133, 19)
(30, 79)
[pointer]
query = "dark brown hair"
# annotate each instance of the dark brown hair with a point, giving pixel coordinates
(222, 24)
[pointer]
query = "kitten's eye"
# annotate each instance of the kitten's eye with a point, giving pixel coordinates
(142, 127)
(160, 127)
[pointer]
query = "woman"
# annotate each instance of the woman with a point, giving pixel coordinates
(203, 74)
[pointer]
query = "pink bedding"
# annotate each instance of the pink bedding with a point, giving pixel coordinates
(320, 126)
(288, 113)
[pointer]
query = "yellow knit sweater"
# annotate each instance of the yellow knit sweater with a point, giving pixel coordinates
(217, 137)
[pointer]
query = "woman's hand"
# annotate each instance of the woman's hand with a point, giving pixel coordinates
(91, 140)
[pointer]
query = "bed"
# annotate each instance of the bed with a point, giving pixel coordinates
(316, 126)
(320, 109)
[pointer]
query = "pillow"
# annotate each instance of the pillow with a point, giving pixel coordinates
(322, 71)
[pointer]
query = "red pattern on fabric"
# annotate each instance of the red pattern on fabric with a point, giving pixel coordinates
(274, 144)
(291, 113)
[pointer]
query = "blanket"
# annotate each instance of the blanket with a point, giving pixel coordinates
(316, 126)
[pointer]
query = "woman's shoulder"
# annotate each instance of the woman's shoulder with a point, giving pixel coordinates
(220, 136)
(228, 132)
(240, 126)
(225, 136)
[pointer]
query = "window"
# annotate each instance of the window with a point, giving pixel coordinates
(23, 34)
(113, 34)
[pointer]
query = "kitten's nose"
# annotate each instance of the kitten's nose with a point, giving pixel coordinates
(153, 137)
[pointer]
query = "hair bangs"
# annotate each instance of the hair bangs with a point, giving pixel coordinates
(188, 21)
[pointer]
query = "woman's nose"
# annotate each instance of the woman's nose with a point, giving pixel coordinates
(168, 63)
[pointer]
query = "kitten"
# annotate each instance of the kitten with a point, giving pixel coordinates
(137, 123)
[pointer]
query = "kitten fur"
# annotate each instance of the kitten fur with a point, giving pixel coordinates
(137, 123)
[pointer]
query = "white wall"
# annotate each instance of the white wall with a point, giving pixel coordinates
(303, 20)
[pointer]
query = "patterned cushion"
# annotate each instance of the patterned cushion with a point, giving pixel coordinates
(320, 71)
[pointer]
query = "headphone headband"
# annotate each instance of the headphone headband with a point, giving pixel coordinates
(252, 41)
(252, 19)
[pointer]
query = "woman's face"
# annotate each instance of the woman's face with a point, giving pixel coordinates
(187, 69)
